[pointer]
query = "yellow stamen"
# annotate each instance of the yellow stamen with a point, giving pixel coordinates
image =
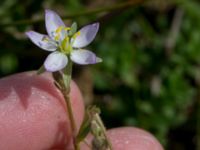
(58, 30)
(45, 39)
(65, 42)
(67, 28)
(76, 34)
(65, 45)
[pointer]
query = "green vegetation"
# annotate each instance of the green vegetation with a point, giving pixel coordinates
(150, 75)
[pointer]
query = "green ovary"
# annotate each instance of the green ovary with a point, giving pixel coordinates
(66, 46)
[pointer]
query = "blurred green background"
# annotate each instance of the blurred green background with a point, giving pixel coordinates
(150, 75)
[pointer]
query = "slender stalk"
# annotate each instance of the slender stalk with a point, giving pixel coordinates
(78, 14)
(98, 130)
(67, 79)
(104, 131)
(63, 82)
(72, 122)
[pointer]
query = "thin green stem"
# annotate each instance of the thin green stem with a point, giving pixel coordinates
(67, 79)
(104, 131)
(98, 130)
(78, 14)
(72, 122)
(63, 83)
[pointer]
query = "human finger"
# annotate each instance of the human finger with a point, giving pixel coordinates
(130, 138)
(33, 113)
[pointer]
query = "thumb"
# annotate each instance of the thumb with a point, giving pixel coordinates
(33, 113)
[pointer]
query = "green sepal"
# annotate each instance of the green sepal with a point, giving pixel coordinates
(66, 80)
(84, 129)
(57, 85)
(41, 70)
(73, 29)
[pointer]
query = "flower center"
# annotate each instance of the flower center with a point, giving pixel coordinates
(64, 37)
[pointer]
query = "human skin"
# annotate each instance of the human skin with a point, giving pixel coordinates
(33, 116)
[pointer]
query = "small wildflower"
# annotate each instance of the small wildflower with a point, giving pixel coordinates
(65, 43)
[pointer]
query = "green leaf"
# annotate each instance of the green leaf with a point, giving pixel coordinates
(41, 70)
(85, 129)
(73, 29)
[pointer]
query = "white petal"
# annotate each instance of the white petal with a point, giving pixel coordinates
(84, 57)
(52, 21)
(38, 39)
(55, 61)
(87, 35)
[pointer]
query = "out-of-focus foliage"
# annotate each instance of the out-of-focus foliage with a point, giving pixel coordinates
(144, 80)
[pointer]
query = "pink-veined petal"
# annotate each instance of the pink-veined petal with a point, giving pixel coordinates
(55, 61)
(52, 22)
(38, 39)
(84, 57)
(87, 35)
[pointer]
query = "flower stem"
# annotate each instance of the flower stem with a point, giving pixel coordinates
(98, 130)
(63, 80)
(72, 122)
(98, 118)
